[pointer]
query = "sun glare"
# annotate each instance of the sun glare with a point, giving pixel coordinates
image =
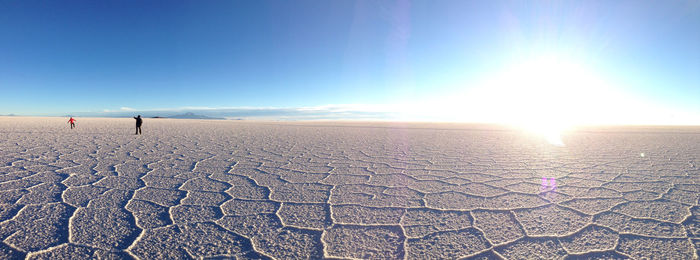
(545, 96)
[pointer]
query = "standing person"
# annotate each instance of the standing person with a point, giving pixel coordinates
(72, 122)
(139, 121)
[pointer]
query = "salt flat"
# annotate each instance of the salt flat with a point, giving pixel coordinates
(201, 189)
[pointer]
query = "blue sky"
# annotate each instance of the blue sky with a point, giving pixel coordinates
(60, 57)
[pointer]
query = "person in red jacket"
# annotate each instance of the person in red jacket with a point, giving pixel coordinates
(72, 122)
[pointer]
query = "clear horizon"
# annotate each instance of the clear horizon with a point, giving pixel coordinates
(547, 64)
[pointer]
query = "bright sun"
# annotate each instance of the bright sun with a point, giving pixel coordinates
(545, 96)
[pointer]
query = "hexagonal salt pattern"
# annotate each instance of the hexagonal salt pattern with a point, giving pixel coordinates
(236, 189)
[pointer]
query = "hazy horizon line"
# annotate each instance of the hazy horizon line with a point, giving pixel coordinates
(331, 112)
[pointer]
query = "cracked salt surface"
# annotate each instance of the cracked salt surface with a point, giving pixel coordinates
(254, 190)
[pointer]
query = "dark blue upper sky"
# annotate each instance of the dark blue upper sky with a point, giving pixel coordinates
(58, 57)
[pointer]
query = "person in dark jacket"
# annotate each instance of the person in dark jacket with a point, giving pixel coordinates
(139, 122)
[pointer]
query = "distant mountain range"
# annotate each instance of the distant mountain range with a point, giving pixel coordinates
(190, 115)
(255, 113)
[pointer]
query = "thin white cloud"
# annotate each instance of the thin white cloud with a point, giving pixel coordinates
(325, 112)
